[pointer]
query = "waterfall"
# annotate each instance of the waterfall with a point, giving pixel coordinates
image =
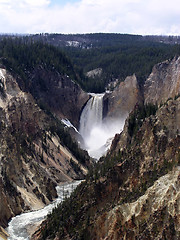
(96, 133)
(91, 123)
(92, 128)
(92, 115)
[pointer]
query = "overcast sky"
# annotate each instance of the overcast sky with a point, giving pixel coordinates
(145, 17)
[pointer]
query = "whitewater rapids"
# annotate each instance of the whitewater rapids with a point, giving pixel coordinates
(20, 227)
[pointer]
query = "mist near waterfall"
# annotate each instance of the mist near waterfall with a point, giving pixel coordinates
(96, 132)
(100, 137)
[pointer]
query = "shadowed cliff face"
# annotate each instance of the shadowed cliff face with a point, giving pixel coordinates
(163, 82)
(32, 158)
(57, 93)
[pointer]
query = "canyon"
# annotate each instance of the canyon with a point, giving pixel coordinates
(133, 192)
(33, 157)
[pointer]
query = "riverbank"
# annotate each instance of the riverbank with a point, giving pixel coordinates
(24, 225)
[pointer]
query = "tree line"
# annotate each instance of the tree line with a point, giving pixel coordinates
(119, 61)
(119, 56)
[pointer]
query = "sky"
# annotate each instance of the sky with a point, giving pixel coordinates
(146, 17)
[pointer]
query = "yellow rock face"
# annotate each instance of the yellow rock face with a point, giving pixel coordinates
(164, 82)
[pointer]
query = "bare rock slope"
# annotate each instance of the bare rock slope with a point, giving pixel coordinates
(33, 158)
(121, 101)
(164, 82)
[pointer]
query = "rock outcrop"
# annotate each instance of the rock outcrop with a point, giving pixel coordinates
(94, 73)
(164, 82)
(154, 215)
(121, 101)
(33, 157)
(57, 93)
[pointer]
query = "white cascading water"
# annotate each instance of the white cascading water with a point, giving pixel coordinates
(97, 135)
(21, 226)
(92, 115)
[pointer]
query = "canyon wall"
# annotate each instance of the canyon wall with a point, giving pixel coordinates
(164, 82)
(121, 101)
(33, 157)
(133, 193)
(56, 92)
(145, 184)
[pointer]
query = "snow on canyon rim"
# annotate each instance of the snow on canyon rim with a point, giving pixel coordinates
(96, 133)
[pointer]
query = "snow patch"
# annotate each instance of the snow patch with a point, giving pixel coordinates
(73, 44)
(2, 74)
(67, 123)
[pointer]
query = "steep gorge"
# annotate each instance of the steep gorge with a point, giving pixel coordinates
(33, 155)
(133, 192)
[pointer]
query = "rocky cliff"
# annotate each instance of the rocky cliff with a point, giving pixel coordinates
(34, 156)
(57, 93)
(153, 215)
(146, 204)
(164, 82)
(133, 192)
(121, 101)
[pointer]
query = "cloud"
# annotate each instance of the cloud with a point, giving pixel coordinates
(124, 16)
(37, 3)
(20, 4)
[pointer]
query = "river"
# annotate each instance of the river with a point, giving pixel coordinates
(22, 226)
